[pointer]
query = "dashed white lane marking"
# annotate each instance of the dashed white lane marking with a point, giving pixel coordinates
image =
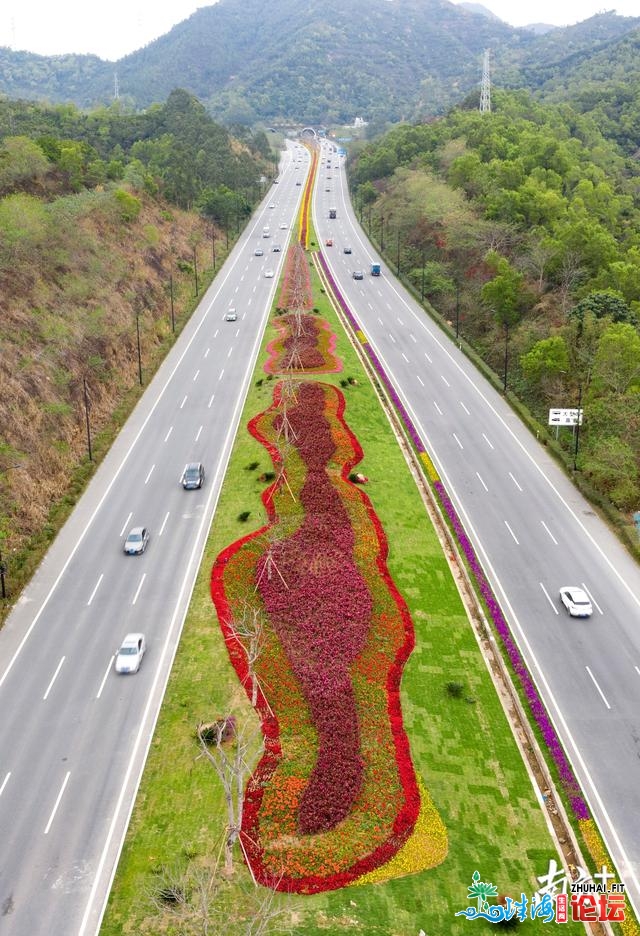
(514, 481)
(95, 589)
(548, 597)
(549, 532)
(515, 539)
(57, 802)
(602, 695)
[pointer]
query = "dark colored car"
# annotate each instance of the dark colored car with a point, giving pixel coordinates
(358, 274)
(193, 476)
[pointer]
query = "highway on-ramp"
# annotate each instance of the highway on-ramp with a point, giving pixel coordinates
(532, 530)
(73, 733)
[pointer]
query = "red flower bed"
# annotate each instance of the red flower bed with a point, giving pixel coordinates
(295, 292)
(334, 795)
(305, 343)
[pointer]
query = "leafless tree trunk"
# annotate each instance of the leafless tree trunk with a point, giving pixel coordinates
(571, 273)
(204, 901)
(232, 767)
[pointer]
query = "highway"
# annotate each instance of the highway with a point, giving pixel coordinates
(73, 733)
(532, 531)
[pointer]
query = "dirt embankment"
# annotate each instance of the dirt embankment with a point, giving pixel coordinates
(71, 283)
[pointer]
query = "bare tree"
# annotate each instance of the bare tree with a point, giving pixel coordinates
(571, 272)
(204, 901)
(249, 629)
(227, 749)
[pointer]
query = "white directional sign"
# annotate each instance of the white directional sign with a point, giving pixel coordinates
(565, 417)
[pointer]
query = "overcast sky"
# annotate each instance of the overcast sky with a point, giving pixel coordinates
(114, 28)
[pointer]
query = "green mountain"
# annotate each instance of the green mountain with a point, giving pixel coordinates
(320, 62)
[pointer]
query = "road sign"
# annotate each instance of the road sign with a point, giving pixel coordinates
(565, 417)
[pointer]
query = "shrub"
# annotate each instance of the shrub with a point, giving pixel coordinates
(455, 689)
(244, 516)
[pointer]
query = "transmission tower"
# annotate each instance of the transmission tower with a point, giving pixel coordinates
(485, 90)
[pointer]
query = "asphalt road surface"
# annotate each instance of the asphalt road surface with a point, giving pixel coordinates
(73, 733)
(532, 530)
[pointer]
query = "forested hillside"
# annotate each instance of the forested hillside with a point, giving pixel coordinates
(94, 242)
(326, 62)
(524, 224)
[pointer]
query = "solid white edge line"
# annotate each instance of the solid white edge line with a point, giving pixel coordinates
(602, 695)
(106, 674)
(96, 587)
(57, 802)
(53, 679)
(549, 598)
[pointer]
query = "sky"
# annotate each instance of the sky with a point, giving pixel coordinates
(114, 28)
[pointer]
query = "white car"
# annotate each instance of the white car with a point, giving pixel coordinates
(129, 656)
(137, 541)
(268, 274)
(576, 601)
(272, 205)
(258, 252)
(283, 226)
(231, 316)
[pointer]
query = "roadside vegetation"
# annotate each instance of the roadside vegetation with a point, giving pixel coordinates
(97, 242)
(461, 745)
(520, 228)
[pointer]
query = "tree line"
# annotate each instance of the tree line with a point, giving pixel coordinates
(522, 227)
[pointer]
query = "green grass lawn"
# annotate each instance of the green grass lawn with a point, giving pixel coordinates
(462, 748)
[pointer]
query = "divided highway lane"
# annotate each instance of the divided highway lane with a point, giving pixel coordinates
(532, 530)
(73, 734)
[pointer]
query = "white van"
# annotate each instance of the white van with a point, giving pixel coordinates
(265, 232)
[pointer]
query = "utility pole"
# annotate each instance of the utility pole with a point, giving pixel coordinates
(87, 407)
(578, 423)
(173, 314)
(485, 90)
(506, 354)
(139, 349)
(195, 266)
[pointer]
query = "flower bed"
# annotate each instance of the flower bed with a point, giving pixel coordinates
(334, 795)
(305, 343)
(567, 776)
(303, 235)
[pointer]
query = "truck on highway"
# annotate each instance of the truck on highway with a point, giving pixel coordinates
(333, 212)
(375, 269)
